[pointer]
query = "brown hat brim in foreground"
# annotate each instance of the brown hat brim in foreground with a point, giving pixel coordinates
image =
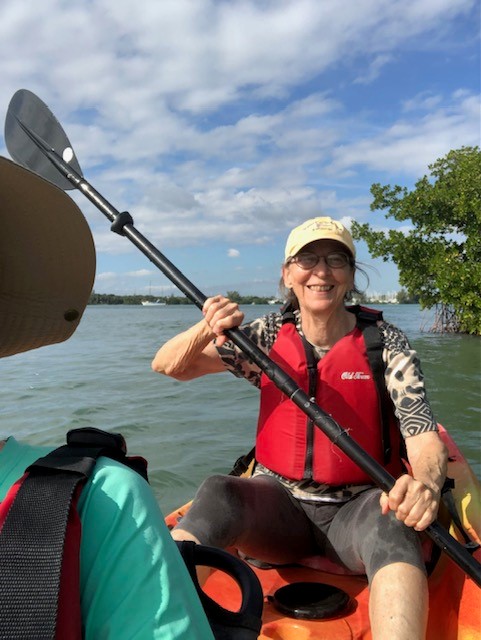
(47, 261)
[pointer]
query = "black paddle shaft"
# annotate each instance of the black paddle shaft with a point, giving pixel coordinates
(123, 224)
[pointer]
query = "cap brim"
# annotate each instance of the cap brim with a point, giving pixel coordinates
(47, 261)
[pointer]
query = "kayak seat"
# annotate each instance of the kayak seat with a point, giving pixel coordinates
(321, 563)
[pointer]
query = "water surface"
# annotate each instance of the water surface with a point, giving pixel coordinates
(102, 377)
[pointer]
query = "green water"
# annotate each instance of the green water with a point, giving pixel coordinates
(101, 377)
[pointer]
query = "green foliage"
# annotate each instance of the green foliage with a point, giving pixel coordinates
(438, 248)
(106, 298)
(235, 296)
(403, 297)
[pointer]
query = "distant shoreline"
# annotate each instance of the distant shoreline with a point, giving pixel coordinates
(113, 299)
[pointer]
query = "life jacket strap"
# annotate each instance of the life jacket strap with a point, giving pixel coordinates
(40, 538)
(31, 552)
(241, 465)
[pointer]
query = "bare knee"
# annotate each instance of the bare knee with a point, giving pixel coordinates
(398, 603)
(181, 534)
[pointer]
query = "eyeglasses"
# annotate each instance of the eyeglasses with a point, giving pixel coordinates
(310, 260)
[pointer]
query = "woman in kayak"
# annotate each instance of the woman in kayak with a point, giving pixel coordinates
(305, 496)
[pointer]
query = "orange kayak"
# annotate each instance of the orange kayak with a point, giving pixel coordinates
(455, 600)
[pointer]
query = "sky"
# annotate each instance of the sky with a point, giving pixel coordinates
(222, 124)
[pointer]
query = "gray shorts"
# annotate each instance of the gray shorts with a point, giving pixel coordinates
(263, 520)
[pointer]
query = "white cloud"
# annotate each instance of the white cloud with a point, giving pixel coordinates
(374, 69)
(139, 273)
(409, 146)
(232, 121)
(106, 276)
(424, 101)
(233, 253)
(245, 203)
(132, 65)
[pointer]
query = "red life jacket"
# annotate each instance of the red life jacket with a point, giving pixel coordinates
(345, 387)
(40, 534)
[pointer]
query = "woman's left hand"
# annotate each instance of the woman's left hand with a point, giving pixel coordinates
(412, 502)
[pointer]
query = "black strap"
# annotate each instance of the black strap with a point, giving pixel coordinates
(84, 446)
(31, 554)
(242, 464)
(287, 314)
(366, 320)
(365, 314)
(374, 348)
(312, 361)
(33, 535)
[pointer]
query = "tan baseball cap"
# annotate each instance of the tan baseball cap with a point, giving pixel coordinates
(47, 261)
(323, 228)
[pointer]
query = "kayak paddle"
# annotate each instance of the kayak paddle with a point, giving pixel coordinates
(35, 139)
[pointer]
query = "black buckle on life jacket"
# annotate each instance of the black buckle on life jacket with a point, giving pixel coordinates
(92, 437)
(242, 464)
(84, 446)
(287, 313)
(365, 314)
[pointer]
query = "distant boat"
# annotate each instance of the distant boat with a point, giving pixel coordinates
(153, 303)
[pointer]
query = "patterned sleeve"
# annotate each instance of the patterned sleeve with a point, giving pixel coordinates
(262, 332)
(405, 383)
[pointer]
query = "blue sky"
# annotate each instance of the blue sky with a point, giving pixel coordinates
(221, 124)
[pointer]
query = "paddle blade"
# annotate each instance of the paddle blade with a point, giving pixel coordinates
(27, 109)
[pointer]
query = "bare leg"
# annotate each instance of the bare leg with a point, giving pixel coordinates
(182, 534)
(398, 603)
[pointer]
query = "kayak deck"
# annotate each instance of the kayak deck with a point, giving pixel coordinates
(454, 599)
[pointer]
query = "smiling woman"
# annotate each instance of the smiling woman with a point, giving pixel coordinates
(326, 267)
(306, 496)
(320, 290)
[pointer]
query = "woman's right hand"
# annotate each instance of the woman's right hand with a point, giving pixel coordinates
(220, 313)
